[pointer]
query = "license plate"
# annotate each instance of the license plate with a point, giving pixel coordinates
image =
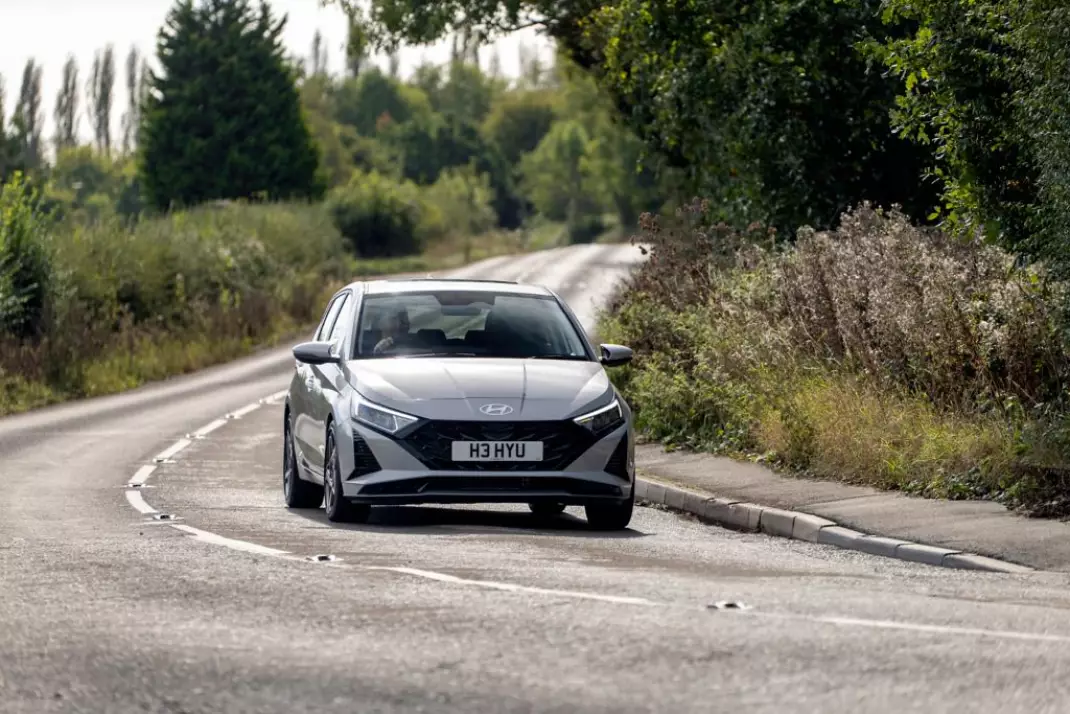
(497, 451)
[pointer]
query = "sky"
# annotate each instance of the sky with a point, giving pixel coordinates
(50, 30)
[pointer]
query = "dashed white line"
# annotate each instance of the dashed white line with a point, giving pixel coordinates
(247, 409)
(142, 475)
(512, 587)
(138, 503)
(172, 450)
(136, 500)
(209, 428)
(241, 545)
(913, 627)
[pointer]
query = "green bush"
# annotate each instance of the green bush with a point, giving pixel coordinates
(129, 303)
(25, 264)
(378, 216)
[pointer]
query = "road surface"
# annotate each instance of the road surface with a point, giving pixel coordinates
(105, 608)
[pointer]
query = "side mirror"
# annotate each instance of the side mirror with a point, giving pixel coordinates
(616, 355)
(316, 353)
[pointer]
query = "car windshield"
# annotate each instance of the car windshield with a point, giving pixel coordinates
(453, 323)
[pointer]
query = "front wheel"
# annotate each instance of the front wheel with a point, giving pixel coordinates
(610, 516)
(297, 492)
(338, 508)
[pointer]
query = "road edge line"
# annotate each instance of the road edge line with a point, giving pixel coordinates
(796, 525)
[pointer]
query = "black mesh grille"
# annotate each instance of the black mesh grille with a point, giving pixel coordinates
(562, 443)
(364, 461)
(490, 484)
(618, 461)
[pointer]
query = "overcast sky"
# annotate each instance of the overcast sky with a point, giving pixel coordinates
(49, 30)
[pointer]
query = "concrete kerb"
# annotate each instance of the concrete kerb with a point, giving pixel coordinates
(754, 518)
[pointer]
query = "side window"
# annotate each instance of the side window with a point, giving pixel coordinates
(328, 318)
(338, 327)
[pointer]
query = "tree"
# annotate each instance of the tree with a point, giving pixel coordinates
(223, 119)
(9, 160)
(559, 178)
(100, 91)
(986, 88)
(66, 113)
(134, 90)
(356, 45)
(770, 107)
(28, 119)
(319, 55)
(518, 121)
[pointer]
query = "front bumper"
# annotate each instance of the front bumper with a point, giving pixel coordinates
(381, 470)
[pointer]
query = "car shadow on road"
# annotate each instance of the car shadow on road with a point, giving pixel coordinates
(418, 520)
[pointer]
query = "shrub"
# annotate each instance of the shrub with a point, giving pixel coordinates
(875, 353)
(25, 265)
(378, 216)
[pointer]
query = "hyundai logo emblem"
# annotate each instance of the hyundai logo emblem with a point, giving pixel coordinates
(496, 409)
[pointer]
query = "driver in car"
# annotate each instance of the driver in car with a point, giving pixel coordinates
(395, 326)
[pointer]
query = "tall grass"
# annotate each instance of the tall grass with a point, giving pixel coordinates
(878, 353)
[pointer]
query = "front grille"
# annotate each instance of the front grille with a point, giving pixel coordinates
(618, 461)
(562, 443)
(504, 485)
(364, 461)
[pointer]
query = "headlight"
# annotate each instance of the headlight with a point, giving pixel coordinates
(381, 418)
(602, 419)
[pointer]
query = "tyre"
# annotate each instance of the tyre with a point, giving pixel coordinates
(547, 510)
(338, 508)
(610, 516)
(297, 492)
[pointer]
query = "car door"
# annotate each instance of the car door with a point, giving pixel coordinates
(302, 400)
(328, 380)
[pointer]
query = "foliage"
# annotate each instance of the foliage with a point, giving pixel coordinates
(223, 119)
(378, 216)
(879, 352)
(984, 84)
(459, 202)
(25, 263)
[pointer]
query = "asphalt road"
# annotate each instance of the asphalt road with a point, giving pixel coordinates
(105, 609)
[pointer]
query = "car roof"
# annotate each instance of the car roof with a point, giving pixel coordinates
(415, 285)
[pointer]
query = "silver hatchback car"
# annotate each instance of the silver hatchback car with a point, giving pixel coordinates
(456, 391)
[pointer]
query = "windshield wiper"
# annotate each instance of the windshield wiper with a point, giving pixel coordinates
(561, 357)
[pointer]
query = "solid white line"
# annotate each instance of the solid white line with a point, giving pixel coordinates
(231, 543)
(277, 396)
(511, 587)
(135, 499)
(209, 428)
(142, 474)
(173, 449)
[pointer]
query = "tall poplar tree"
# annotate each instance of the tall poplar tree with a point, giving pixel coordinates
(65, 115)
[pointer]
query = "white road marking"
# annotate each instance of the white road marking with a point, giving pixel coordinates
(512, 587)
(209, 428)
(231, 543)
(170, 451)
(135, 499)
(142, 474)
(138, 502)
(247, 409)
(912, 627)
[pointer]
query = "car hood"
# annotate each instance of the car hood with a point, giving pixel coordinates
(456, 388)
